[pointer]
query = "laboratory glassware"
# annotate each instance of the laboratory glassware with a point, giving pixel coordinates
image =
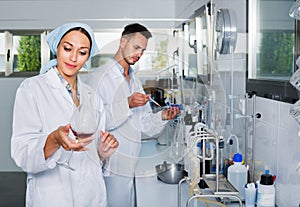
(295, 10)
(295, 80)
(83, 125)
(178, 141)
(151, 99)
(295, 111)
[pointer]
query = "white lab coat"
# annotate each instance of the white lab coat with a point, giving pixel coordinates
(128, 125)
(43, 104)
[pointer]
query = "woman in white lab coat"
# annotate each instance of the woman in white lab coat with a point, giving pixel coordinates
(41, 131)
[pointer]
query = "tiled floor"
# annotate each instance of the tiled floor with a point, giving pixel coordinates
(12, 189)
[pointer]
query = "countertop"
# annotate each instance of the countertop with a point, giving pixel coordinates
(152, 192)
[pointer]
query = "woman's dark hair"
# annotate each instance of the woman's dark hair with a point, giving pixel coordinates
(136, 27)
(83, 31)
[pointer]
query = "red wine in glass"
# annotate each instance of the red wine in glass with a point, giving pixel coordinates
(81, 134)
(83, 125)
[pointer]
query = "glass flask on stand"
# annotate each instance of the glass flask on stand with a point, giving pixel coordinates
(177, 145)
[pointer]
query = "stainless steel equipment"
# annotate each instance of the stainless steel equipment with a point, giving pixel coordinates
(219, 186)
(226, 31)
(170, 173)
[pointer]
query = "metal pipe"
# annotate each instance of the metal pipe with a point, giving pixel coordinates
(214, 196)
(246, 134)
(179, 191)
(253, 138)
(217, 164)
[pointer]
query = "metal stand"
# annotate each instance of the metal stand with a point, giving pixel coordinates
(219, 186)
(214, 196)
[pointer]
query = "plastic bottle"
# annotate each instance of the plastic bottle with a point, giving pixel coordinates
(266, 191)
(237, 175)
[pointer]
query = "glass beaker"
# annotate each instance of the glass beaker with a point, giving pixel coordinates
(178, 141)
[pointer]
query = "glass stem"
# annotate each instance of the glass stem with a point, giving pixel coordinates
(69, 158)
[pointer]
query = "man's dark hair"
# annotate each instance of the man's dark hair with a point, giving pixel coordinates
(136, 27)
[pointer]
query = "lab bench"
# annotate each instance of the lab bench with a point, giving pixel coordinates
(150, 191)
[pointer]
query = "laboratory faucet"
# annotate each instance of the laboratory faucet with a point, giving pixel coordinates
(230, 141)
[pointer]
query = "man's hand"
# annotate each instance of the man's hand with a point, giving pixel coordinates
(138, 99)
(170, 113)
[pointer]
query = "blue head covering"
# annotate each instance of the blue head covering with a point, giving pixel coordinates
(54, 37)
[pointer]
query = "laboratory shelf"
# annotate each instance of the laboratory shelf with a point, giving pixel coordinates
(225, 187)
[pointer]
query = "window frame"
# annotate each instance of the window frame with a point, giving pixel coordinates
(280, 90)
(45, 54)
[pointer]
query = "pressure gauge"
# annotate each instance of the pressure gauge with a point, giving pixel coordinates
(226, 34)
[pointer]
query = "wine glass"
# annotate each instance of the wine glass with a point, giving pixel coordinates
(83, 125)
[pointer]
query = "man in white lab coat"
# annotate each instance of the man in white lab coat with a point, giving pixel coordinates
(129, 116)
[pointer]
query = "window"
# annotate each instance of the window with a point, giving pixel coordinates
(2, 54)
(21, 53)
(27, 53)
(271, 49)
(154, 58)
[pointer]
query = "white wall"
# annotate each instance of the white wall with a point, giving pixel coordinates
(8, 87)
(277, 148)
(102, 14)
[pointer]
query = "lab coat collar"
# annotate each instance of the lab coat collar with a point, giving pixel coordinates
(120, 70)
(53, 81)
(117, 72)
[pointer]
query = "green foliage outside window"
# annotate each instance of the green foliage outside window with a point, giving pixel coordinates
(276, 55)
(160, 61)
(29, 57)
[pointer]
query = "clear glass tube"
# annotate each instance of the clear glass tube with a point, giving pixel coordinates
(295, 10)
